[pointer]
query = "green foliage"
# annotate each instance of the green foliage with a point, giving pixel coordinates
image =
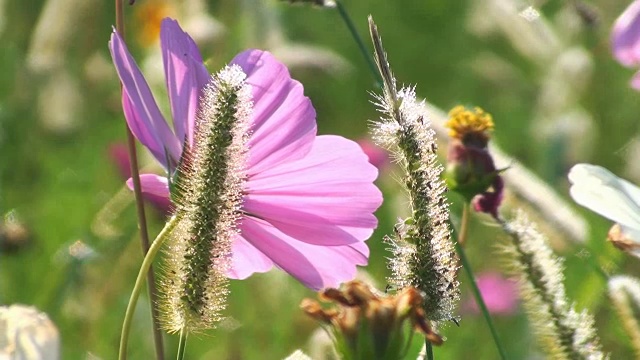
(57, 181)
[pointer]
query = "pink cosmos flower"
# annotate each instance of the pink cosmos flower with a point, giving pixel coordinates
(378, 156)
(499, 294)
(308, 200)
(625, 40)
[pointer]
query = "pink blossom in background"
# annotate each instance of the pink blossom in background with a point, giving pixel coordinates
(500, 294)
(309, 200)
(625, 40)
(378, 156)
(119, 156)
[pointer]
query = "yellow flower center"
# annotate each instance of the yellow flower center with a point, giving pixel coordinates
(149, 15)
(463, 123)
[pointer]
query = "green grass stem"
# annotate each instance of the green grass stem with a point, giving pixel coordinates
(144, 269)
(358, 39)
(182, 345)
(142, 219)
(429, 349)
(464, 223)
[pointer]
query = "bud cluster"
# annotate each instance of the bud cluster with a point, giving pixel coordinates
(368, 326)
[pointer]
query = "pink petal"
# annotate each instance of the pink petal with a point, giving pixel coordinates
(119, 156)
(625, 37)
(378, 156)
(326, 198)
(152, 184)
(155, 189)
(284, 121)
(140, 109)
(316, 267)
(144, 133)
(246, 260)
(185, 75)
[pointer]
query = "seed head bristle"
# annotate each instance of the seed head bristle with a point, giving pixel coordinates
(423, 253)
(563, 332)
(209, 187)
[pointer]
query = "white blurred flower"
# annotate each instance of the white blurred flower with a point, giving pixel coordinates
(530, 14)
(298, 355)
(599, 190)
(27, 334)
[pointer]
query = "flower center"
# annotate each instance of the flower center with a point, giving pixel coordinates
(469, 126)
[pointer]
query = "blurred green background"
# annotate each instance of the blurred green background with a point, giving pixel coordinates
(555, 92)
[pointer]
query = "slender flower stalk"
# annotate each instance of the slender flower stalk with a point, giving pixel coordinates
(423, 253)
(624, 292)
(142, 219)
(563, 332)
(182, 344)
(358, 39)
(137, 288)
(466, 265)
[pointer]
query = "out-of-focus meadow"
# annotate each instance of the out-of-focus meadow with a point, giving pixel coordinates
(69, 234)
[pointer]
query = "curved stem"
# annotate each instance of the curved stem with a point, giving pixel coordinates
(474, 287)
(142, 219)
(356, 36)
(135, 293)
(182, 345)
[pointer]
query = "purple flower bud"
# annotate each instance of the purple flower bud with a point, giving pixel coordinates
(470, 167)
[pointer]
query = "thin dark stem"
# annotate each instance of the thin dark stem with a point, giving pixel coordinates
(142, 219)
(480, 301)
(144, 239)
(358, 39)
(429, 349)
(474, 287)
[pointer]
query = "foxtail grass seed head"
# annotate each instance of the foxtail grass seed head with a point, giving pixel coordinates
(210, 196)
(369, 326)
(470, 168)
(563, 332)
(624, 292)
(423, 253)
